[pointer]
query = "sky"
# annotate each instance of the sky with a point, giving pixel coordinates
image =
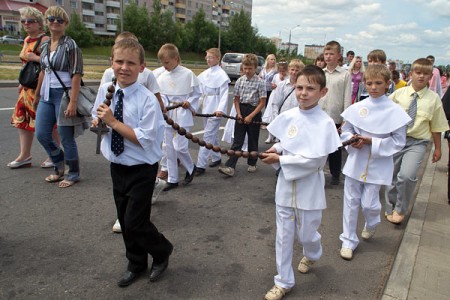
(405, 30)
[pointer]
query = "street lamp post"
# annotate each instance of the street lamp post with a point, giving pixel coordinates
(289, 43)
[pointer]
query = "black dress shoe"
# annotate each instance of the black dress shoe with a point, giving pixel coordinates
(170, 186)
(128, 278)
(158, 269)
(199, 171)
(189, 177)
(215, 163)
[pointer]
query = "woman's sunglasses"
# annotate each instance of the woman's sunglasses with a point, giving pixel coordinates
(28, 21)
(52, 19)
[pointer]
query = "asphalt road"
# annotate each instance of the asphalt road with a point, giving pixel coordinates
(57, 243)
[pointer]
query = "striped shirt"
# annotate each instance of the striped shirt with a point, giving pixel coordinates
(250, 90)
(67, 57)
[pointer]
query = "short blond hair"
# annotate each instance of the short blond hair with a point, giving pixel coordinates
(422, 65)
(377, 55)
(28, 11)
(375, 71)
(126, 35)
(296, 63)
(250, 60)
(57, 11)
(168, 50)
(215, 52)
(132, 45)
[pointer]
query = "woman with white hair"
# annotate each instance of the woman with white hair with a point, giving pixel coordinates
(24, 115)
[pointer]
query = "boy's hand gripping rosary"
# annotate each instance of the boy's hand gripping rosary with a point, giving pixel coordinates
(101, 127)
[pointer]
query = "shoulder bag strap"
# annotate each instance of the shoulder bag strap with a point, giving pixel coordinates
(66, 90)
(38, 42)
(281, 106)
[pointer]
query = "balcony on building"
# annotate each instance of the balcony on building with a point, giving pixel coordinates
(89, 25)
(180, 4)
(88, 12)
(112, 16)
(113, 3)
(88, 1)
(111, 27)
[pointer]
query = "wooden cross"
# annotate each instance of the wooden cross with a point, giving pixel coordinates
(101, 127)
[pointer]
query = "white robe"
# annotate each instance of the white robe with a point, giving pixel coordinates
(306, 138)
(214, 86)
(177, 86)
(384, 121)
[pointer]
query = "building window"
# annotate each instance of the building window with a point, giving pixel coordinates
(99, 13)
(99, 1)
(73, 4)
(59, 2)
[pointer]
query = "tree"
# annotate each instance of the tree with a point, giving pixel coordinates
(162, 28)
(136, 20)
(239, 35)
(83, 36)
(201, 34)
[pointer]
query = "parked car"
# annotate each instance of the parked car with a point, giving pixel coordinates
(9, 39)
(231, 64)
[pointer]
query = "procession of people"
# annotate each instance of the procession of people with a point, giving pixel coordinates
(314, 113)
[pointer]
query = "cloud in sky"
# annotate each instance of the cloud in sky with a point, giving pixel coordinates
(405, 30)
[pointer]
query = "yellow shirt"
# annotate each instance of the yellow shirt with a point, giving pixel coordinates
(430, 114)
(401, 83)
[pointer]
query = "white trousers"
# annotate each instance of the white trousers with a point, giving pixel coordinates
(304, 224)
(359, 194)
(177, 147)
(210, 135)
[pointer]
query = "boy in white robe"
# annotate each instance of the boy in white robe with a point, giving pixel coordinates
(380, 125)
(307, 135)
(214, 85)
(178, 85)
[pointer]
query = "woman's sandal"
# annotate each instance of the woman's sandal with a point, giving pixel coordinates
(66, 183)
(54, 177)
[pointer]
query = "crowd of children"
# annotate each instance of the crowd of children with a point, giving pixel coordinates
(310, 113)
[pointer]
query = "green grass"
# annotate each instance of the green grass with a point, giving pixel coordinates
(96, 60)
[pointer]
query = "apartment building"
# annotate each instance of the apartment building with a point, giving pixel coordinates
(101, 15)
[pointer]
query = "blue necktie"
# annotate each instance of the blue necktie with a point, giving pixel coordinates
(412, 110)
(117, 145)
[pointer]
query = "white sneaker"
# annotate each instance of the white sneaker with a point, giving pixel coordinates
(304, 265)
(276, 293)
(346, 253)
(227, 171)
(251, 169)
(367, 234)
(159, 186)
(116, 227)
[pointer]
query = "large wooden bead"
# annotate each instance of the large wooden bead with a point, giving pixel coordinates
(107, 102)
(195, 139)
(253, 154)
(238, 153)
(189, 135)
(182, 131)
(111, 89)
(175, 126)
(202, 143)
(223, 151)
(170, 121)
(216, 148)
(230, 152)
(109, 95)
(245, 154)
(208, 146)
(261, 155)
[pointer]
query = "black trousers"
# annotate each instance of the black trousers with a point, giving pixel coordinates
(133, 189)
(240, 129)
(335, 160)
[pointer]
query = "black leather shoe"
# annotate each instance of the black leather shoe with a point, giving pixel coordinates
(189, 177)
(199, 171)
(215, 163)
(170, 186)
(128, 278)
(158, 269)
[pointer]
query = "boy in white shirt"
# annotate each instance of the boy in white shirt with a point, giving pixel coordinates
(380, 125)
(307, 135)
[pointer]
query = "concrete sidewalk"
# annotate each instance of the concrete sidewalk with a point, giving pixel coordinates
(422, 266)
